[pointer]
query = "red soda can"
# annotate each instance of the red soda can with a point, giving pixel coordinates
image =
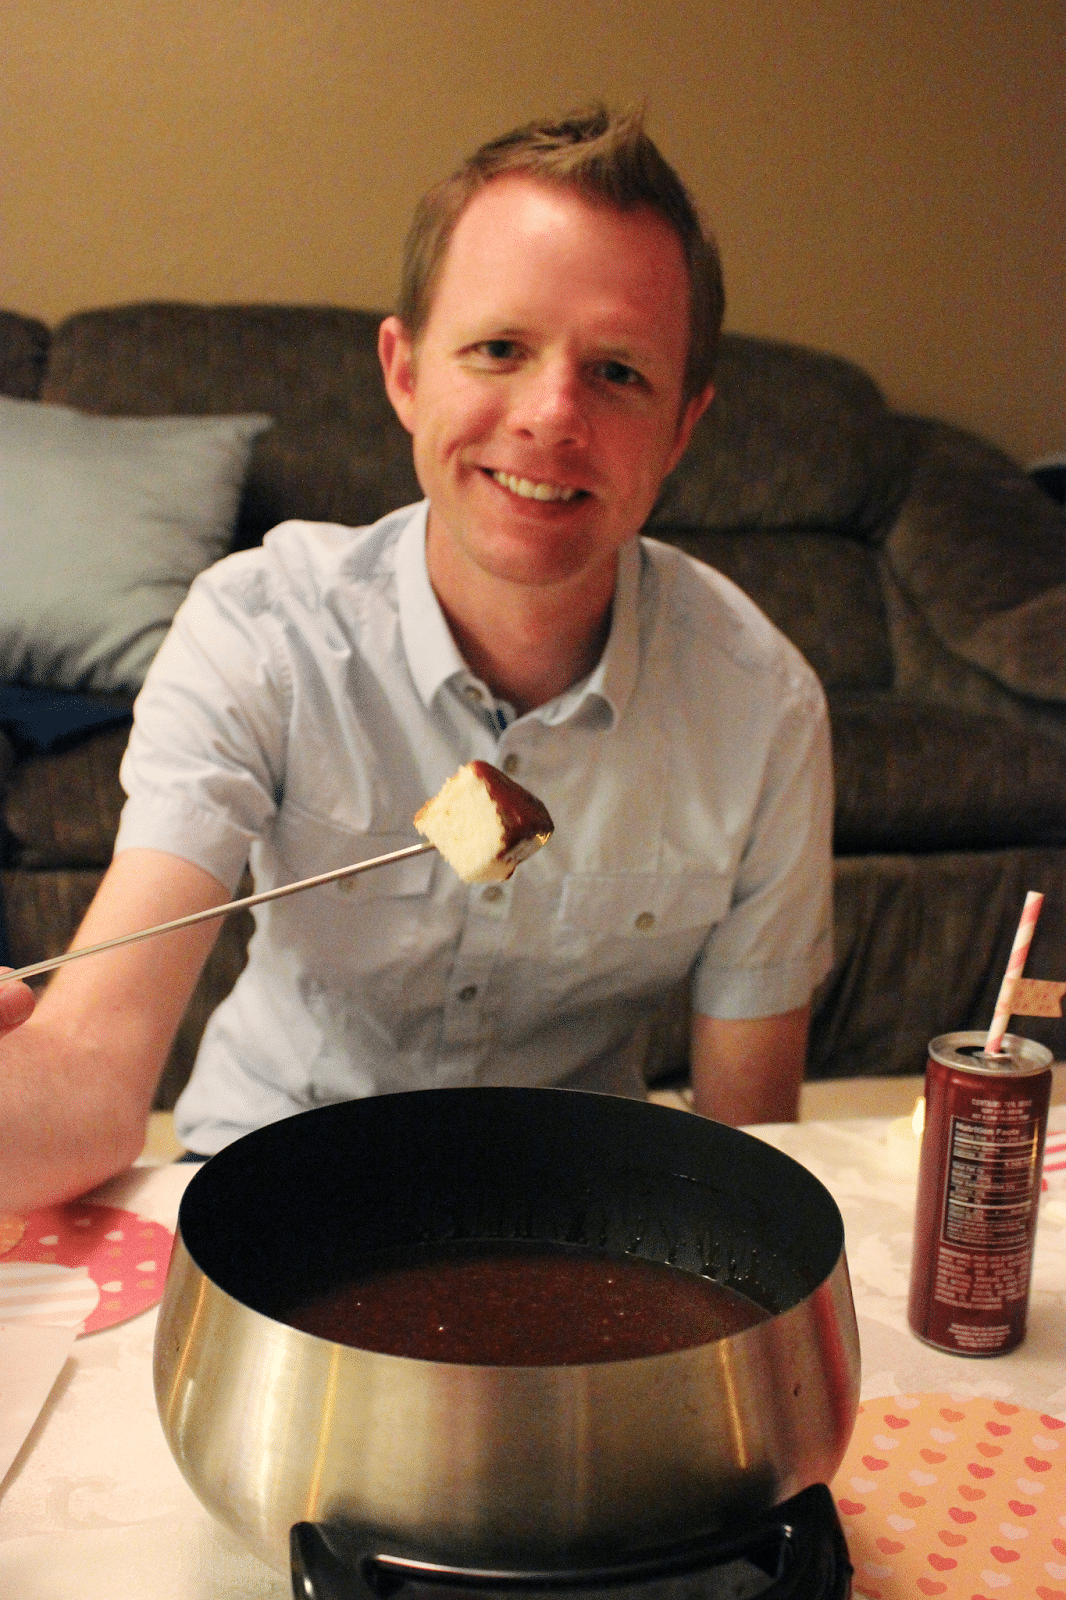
(978, 1191)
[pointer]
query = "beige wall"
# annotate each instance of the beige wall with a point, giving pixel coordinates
(887, 177)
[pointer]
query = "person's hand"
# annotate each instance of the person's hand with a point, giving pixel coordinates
(16, 1004)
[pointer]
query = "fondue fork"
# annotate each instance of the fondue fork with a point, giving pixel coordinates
(222, 910)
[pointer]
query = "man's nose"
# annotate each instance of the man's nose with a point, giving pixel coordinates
(549, 405)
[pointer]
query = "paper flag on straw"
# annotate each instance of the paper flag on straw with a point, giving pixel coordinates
(1037, 997)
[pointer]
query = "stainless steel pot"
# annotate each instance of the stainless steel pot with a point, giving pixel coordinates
(547, 1465)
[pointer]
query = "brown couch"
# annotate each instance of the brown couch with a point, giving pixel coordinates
(921, 571)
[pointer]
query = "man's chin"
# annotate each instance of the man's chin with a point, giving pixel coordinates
(538, 568)
(526, 552)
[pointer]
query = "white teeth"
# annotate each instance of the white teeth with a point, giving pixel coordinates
(534, 491)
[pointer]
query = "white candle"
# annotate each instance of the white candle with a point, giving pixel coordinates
(903, 1139)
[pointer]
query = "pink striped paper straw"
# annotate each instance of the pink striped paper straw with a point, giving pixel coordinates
(1019, 951)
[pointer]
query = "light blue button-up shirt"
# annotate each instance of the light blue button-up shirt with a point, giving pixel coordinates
(308, 699)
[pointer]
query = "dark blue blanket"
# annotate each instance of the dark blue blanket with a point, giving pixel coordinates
(40, 719)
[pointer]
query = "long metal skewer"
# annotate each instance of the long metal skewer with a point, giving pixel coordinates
(217, 911)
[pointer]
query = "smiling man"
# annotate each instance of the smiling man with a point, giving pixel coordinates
(544, 394)
(551, 353)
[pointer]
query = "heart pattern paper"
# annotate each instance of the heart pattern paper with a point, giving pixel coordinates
(83, 1265)
(960, 1498)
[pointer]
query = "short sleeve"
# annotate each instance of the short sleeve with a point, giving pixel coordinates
(203, 768)
(774, 945)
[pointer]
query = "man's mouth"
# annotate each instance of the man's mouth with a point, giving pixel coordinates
(529, 489)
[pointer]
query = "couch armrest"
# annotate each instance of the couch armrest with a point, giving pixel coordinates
(980, 551)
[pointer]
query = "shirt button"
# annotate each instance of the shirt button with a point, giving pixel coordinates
(510, 764)
(645, 921)
(493, 894)
(469, 992)
(472, 692)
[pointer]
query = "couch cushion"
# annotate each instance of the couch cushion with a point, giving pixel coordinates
(337, 452)
(792, 439)
(61, 809)
(915, 777)
(23, 351)
(43, 910)
(921, 946)
(981, 551)
(104, 523)
(821, 589)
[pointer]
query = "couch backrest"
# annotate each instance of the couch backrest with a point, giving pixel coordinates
(788, 486)
(794, 440)
(337, 452)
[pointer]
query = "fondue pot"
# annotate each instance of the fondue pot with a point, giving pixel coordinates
(287, 1437)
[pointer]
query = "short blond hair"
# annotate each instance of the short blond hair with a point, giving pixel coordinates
(605, 156)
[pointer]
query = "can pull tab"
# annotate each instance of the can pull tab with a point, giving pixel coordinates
(796, 1551)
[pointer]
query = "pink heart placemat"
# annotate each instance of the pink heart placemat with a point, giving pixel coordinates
(962, 1498)
(81, 1265)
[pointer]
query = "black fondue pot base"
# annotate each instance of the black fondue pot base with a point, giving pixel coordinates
(796, 1551)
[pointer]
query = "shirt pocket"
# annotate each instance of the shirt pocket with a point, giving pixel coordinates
(400, 880)
(308, 845)
(642, 929)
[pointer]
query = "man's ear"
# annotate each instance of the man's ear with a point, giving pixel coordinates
(690, 415)
(397, 356)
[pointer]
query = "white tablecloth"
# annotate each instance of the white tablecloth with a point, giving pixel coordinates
(95, 1507)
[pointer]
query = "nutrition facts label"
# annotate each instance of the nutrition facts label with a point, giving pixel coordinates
(990, 1182)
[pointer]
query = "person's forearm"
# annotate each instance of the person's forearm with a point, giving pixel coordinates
(750, 1070)
(65, 1125)
(77, 1079)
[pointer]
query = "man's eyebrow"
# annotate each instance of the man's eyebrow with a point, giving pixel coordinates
(495, 330)
(626, 353)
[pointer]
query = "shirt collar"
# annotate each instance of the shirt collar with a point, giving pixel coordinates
(427, 640)
(610, 684)
(434, 658)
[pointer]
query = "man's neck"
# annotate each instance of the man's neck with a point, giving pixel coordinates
(527, 643)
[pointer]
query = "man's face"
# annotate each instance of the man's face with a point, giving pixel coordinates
(544, 394)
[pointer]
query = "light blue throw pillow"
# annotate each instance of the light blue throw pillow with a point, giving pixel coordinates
(104, 523)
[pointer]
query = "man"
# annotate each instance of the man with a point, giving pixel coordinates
(551, 354)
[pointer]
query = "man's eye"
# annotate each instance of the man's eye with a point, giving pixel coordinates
(617, 372)
(498, 349)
